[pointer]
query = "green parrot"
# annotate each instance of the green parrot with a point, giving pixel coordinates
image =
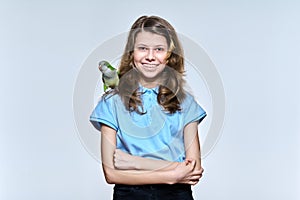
(110, 76)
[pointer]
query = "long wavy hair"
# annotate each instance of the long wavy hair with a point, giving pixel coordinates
(171, 92)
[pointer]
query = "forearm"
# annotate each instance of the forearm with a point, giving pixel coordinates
(192, 144)
(172, 173)
(184, 172)
(142, 163)
(129, 177)
(135, 177)
(198, 163)
(126, 161)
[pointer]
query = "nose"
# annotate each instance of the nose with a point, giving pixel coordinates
(150, 56)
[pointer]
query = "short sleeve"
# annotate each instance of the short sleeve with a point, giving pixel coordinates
(192, 111)
(104, 113)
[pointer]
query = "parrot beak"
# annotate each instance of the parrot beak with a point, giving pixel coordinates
(102, 66)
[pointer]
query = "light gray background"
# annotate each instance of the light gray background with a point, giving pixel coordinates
(254, 44)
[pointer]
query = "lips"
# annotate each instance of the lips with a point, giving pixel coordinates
(148, 65)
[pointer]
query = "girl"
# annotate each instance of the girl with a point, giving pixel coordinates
(149, 142)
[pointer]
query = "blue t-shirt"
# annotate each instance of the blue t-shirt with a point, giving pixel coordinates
(156, 134)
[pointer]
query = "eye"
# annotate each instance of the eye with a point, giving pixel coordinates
(142, 48)
(159, 49)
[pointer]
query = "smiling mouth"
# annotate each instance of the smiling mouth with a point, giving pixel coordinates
(150, 66)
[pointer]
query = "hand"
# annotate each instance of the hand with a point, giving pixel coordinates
(123, 160)
(186, 173)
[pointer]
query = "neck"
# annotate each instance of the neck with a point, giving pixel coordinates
(150, 84)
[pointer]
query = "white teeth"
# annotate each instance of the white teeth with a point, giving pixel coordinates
(149, 65)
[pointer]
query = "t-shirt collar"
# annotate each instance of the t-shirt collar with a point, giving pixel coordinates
(147, 90)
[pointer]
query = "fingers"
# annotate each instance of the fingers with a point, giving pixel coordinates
(117, 159)
(118, 155)
(191, 163)
(188, 160)
(187, 172)
(202, 170)
(117, 152)
(195, 174)
(193, 182)
(123, 160)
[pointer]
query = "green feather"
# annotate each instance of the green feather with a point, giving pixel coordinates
(105, 87)
(111, 67)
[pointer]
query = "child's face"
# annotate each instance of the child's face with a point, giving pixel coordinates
(149, 55)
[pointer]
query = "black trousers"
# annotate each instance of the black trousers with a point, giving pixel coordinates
(153, 192)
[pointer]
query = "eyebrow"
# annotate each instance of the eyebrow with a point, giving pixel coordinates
(158, 45)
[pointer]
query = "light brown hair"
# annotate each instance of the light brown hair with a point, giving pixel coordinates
(171, 92)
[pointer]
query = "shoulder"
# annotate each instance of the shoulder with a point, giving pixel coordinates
(109, 96)
(105, 112)
(107, 101)
(188, 100)
(191, 108)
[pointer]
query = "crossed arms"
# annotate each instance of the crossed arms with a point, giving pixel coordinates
(122, 168)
